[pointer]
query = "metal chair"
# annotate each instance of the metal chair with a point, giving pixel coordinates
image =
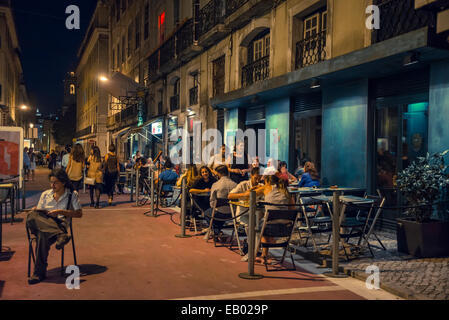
(362, 226)
(281, 226)
(195, 211)
(31, 250)
(219, 203)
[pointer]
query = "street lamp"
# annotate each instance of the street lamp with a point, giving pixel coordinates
(24, 107)
(103, 78)
(31, 125)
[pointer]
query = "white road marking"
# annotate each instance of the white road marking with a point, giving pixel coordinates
(242, 295)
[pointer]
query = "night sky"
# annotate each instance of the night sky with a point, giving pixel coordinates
(48, 48)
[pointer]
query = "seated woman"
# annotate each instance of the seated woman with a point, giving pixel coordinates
(284, 174)
(191, 175)
(203, 184)
(310, 177)
(48, 220)
(275, 192)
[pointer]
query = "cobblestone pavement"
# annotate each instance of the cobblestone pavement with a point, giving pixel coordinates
(401, 274)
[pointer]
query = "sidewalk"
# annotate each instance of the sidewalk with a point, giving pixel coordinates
(123, 254)
(400, 274)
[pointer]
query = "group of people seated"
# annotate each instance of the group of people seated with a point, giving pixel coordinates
(223, 179)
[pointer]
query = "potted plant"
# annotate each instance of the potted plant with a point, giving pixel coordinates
(421, 183)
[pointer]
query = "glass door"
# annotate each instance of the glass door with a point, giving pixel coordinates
(401, 137)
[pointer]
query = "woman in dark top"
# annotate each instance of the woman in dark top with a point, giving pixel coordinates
(239, 165)
(203, 185)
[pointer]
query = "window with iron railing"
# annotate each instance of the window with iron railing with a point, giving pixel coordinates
(312, 49)
(218, 77)
(193, 96)
(256, 71)
(399, 17)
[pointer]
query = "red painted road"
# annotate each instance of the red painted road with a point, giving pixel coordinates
(127, 255)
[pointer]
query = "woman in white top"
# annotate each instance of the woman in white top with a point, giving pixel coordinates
(32, 156)
(48, 220)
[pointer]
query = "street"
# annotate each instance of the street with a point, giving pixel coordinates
(123, 254)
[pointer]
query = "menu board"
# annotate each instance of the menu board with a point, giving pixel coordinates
(11, 152)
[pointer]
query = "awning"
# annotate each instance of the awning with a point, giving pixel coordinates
(120, 132)
(119, 85)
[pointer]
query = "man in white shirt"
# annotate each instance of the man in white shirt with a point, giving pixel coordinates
(65, 158)
(48, 221)
(218, 159)
(220, 190)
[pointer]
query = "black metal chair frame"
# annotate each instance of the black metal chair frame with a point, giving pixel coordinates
(31, 249)
(285, 217)
(219, 203)
(194, 206)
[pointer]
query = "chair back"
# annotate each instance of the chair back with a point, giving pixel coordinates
(4, 195)
(281, 224)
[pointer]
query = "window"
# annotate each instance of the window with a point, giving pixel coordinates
(117, 4)
(118, 54)
(315, 24)
(123, 49)
(130, 38)
(137, 31)
(146, 21)
(72, 89)
(161, 27)
(218, 77)
(261, 47)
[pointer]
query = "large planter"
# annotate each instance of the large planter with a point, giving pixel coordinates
(423, 240)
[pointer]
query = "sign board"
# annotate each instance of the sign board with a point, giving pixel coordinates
(156, 127)
(11, 152)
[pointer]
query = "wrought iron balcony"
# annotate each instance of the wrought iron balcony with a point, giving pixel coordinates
(233, 5)
(174, 103)
(193, 96)
(311, 50)
(256, 71)
(399, 17)
(211, 14)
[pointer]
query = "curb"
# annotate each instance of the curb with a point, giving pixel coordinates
(327, 263)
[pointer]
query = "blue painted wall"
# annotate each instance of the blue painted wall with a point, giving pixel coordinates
(345, 135)
(277, 117)
(439, 107)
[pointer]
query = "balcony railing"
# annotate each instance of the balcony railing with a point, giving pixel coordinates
(211, 14)
(233, 5)
(399, 17)
(124, 115)
(174, 103)
(256, 71)
(311, 50)
(193, 96)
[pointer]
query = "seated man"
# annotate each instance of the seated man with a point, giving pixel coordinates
(220, 190)
(48, 220)
(239, 193)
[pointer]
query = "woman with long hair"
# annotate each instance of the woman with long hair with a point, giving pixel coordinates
(203, 184)
(284, 174)
(191, 175)
(95, 172)
(276, 193)
(75, 166)
(32, 156)
(111, 172)
(310, 177)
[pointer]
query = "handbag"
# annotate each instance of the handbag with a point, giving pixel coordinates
(89, 181)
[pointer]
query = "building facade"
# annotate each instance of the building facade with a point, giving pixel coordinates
(12, 87)
(324, 82)
(92, 103)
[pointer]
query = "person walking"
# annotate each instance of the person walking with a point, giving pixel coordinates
(32, 156)
(26, 163)
(52, 160)
(75, 166)
(65, 158)
(111, 170)
(95, 176)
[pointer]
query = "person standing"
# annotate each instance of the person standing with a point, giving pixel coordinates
(218, 159)
(111, 170)
(26, 163)
(75, 166)
(239, 165)
(65, 158)
(32, 156)
(95, 172)
(52, 160)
